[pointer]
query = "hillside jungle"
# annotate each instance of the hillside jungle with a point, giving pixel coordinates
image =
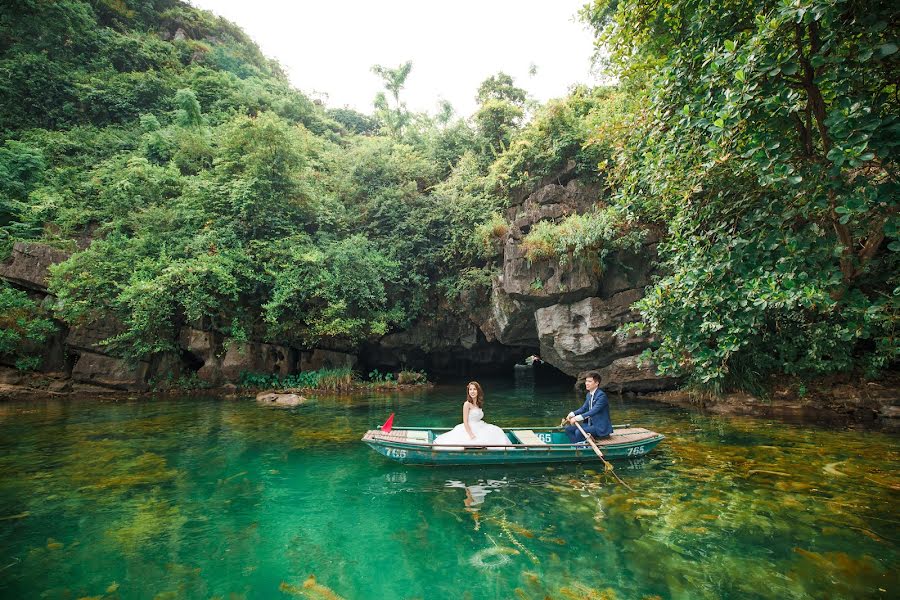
(178, 182)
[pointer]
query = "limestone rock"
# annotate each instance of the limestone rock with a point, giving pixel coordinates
(544, 279)
(108, 372)
(625, 375)
(446, 343)
(89, 336)
(255, 357)
(29, 263)
(280, 399)
(217, 361)
(581, 336)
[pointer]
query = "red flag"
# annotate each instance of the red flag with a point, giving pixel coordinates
(388, 424)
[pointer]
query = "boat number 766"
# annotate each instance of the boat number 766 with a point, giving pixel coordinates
(396, 453)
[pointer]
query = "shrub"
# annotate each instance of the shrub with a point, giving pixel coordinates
(407, 377)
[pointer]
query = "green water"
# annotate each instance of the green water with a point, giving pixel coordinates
(202, 498)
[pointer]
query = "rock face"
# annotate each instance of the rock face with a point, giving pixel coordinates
(29, 264)
(326, 359)
(570, 311)
(581, 336)
(217, 361)
(446, 343)
(109, 372)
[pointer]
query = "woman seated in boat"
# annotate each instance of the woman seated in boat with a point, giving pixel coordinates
(473, 431)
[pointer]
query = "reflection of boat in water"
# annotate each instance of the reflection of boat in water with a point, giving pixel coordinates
(409, 445)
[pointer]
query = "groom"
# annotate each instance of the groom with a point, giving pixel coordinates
(593, 414)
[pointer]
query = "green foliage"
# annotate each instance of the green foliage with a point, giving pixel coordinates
(589, 237)
(376, 376)
(183, 383)
(338, 290)
(24, 325)
(396, 118)
(353, 122)
(582, 129)
(406, 377)
(501, 109)
(195, 187)
(21, 169)
(769, 153)
(323, 379)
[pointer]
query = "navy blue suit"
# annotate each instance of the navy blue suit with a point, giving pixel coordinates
(595, 411)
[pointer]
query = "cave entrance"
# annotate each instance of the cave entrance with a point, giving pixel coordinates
(191, 362)
(491, 360)
(534, 369)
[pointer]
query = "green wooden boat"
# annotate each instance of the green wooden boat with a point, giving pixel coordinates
(536, 445)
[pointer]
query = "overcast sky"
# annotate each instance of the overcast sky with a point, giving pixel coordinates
(328, 48)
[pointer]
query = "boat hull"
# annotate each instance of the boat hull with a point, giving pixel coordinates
(542, 447)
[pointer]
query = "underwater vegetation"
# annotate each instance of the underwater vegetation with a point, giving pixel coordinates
(210, 499)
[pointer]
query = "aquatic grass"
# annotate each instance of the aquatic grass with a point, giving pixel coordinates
(340, 379)
(227, 497)
(406, 377)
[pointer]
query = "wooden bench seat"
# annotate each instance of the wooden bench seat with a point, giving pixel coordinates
(529, 438)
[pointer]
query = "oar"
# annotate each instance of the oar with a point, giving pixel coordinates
(607, 466)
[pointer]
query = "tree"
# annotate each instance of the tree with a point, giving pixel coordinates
(395, 118)
(500, 112)
(769, 152)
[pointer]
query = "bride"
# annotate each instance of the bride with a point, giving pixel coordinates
(473, 431)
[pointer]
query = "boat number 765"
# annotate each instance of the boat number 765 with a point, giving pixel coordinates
(636, 451)
(396, 453)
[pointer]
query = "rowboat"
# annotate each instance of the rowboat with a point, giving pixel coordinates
(535, 445)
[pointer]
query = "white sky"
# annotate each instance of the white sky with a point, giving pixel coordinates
(328, 48)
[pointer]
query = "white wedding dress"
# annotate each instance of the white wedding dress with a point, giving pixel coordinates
(485, 433)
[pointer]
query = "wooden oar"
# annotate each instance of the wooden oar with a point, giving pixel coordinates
(607, 466)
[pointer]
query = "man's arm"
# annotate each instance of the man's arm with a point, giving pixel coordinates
(600, 401)
(583, 408)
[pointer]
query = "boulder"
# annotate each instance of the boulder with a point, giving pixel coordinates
(108, 372)
(280, 399)
(217, 361)
(628, 374)
(581, 336)
(29, 263)
(91, 335)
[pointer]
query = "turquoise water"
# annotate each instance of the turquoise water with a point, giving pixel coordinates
(204, 498)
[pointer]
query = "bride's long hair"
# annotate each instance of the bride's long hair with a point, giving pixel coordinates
(479, 398)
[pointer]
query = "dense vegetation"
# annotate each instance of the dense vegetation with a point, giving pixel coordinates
(767, 149)
(194, 185)
(213, 192)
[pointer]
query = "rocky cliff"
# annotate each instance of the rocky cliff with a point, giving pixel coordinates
(570, 311)
(567, 313)
(75, 359)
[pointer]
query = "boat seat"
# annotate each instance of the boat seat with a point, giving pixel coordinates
(623, 436)
(529, 438)
(417, 436)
